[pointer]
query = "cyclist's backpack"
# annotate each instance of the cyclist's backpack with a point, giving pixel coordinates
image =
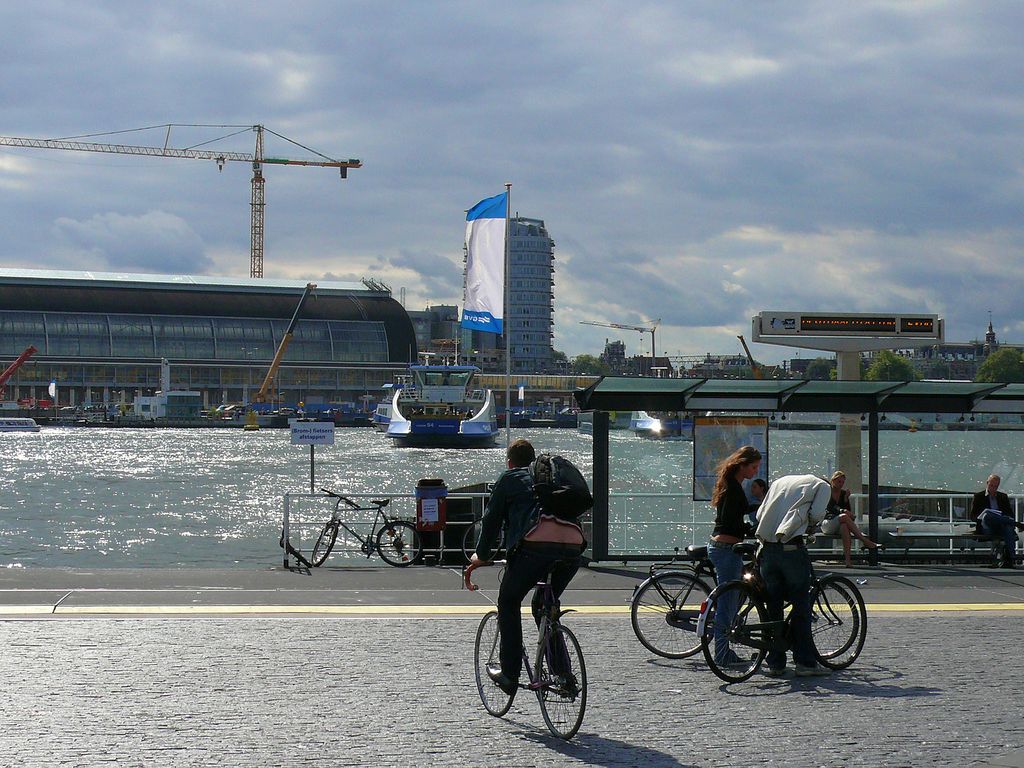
(560, 487)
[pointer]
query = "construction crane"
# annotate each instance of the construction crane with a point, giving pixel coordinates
(755, 369)
(268, 380)
(642, 330)
(9, 371)
(257, 159)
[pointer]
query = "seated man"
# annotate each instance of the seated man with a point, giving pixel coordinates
(993, 515)
(537, 545)
(793, 504)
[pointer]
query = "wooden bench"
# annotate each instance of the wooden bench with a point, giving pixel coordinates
(968, 539)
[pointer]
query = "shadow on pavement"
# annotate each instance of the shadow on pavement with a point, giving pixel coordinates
(865, 682)
(599, 750)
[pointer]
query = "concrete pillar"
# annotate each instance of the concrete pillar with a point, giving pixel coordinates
(848, 430)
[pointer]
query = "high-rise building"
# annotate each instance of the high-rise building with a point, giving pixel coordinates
(529, 316)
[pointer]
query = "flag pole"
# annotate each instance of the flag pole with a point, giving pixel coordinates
(507, 326)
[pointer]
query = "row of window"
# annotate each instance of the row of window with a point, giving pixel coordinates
(215, 338)
(197, 377)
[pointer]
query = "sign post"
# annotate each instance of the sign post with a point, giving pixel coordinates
(312, 433)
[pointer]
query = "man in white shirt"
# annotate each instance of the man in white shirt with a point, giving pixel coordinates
(793, 503)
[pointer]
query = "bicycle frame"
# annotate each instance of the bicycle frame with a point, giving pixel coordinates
(366, 543)
(545, 650)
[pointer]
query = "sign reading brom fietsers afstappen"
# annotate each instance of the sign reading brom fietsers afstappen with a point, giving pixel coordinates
(312, 433)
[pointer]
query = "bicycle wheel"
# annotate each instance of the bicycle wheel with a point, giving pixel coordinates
(839, 621)
(471, 538)
(664, 613)
(563, 683)
(495, 700)
(747, 633)
(324, 543)
(399, 543)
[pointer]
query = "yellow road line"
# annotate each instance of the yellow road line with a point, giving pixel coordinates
(414, 610)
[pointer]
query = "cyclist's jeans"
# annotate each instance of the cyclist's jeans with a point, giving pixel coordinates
(787, 576)
(728, 567)
(527, 566)
(995, 524)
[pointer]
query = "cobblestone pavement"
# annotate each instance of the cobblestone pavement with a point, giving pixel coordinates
(929, 689)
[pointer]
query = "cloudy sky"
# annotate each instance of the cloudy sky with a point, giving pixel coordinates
(694, 162)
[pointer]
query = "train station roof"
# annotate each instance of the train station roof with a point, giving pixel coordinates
(638, 393)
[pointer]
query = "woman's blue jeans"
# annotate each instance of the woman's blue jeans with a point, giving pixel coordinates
(728, 567)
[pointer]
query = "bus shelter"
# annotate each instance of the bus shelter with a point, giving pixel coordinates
(867, 399)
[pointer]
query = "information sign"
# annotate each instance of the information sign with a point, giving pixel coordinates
(715, 437)
(312, 433)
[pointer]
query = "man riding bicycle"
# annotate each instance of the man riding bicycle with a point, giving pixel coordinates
(538, 544)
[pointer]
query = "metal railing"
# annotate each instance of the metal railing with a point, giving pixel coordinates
(647, 525)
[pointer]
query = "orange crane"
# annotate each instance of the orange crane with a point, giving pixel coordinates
(268, 381)
(9, 371)
(642, 329)
(257, 159)
(755, 369)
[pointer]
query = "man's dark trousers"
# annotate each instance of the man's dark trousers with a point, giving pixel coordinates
(529, 565)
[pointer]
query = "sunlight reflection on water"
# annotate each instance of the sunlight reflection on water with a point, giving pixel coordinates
(204, 497)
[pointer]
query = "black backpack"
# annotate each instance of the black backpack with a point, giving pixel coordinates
(560, 487)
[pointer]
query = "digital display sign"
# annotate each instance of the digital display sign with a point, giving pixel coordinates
(848, 324)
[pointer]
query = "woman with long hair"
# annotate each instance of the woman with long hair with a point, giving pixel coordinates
(839, 517)
(730, 503)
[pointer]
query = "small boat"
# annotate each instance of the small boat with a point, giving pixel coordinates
(440, 410)
(18, 425)
(666, 427)
(616, 420)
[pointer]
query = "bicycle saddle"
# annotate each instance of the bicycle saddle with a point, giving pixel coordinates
(381, 502)
(698, 552)
(745, 549)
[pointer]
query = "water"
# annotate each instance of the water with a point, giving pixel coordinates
(213, 498)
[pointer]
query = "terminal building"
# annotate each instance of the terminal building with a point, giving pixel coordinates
(101, 337)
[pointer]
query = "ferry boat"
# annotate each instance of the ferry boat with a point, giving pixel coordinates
(665, 427)
(18, 425)
(440, 410)
(382, 414)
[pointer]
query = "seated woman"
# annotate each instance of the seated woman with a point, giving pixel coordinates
(839, 517)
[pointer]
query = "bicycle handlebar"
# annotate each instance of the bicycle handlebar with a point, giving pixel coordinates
(468, 571)
(346, 499)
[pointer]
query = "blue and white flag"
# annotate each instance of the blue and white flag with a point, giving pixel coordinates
(485, 265)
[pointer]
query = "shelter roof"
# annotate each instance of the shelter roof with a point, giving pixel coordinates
(627, 393)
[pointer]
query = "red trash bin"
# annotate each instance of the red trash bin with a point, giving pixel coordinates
(431, 504)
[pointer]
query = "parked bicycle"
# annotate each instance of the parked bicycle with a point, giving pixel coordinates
(839, 622)
(472, 537)
(397, 541)
(665, 606)
(558, 674)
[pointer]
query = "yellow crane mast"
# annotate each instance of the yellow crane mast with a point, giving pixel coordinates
(256, 157)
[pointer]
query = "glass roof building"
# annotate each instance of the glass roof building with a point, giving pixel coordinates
(99, 334)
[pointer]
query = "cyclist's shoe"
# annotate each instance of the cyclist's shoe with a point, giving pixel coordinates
(500, 679)
(775, 671)
(814, 670)
(566, 686)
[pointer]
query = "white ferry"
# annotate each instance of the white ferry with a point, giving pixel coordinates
(18, 425)
(439, 410)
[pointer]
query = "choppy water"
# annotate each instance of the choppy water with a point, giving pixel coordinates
(213, 498)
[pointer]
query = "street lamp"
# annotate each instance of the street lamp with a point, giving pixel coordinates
(280, 400)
